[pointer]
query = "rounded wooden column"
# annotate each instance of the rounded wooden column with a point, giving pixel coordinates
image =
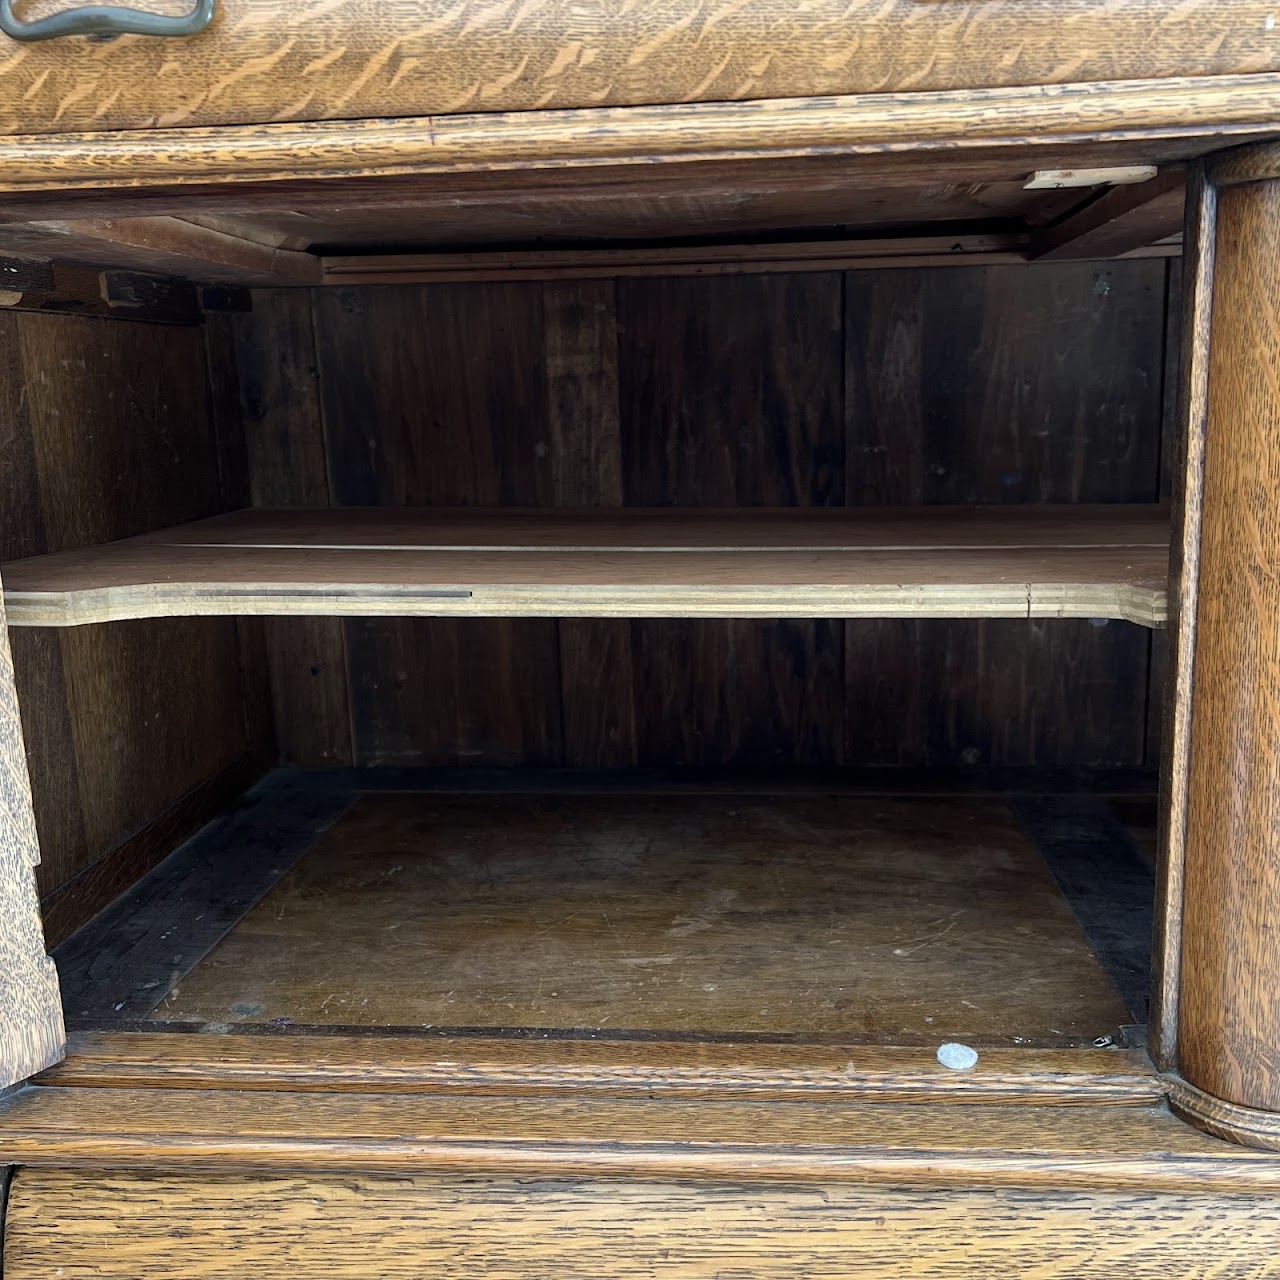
(1229, 1006)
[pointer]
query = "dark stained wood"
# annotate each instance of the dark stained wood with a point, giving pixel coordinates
(731, 391)
(134, 954)
(441, 396)
(1229, 1009)
(597, 690)
(824, 253)
(931, 416)
(86, 291)
(72, 905)
(286, 465)
(109, 434)
(996, 385)
(730, 394)
(1116, 222)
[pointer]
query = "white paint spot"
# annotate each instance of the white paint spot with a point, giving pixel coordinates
(958, 1057)
(1270, 23)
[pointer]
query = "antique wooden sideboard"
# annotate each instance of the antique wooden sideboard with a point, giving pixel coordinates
(640, 638)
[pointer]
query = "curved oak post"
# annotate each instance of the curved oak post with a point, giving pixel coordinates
(1223, 799)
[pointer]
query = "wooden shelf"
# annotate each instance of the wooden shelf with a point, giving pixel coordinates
(933, 562)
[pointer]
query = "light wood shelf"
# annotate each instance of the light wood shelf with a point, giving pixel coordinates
(933, 562)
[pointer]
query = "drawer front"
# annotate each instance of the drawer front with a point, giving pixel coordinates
(81, 1224)
(288, 60)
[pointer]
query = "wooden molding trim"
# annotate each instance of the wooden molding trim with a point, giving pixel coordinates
(1247, 1126)
(677, 260)
(782, 1072)
(1259, 163)
(1208, 108)
(921, 1145)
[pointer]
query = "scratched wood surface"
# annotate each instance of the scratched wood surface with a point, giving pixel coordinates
(31, 1035)
(918, 1146)
(511, 1229)
(987, 385)
(877, 920)
(106, 432)
(264, 61)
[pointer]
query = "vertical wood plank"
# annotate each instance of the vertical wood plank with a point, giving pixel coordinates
(731, 395)
(580, 320)
(236, 491)
(31, 1032)
(731, 391)
(121, 442)
(36, 652)
(307, 659)
(993, 385)
(439, 396)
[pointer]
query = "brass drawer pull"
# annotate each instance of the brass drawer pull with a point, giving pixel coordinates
(106, 20)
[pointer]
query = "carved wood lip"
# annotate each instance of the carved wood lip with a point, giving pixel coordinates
(1246, 1126)
(1207, 109)
(374, 1064)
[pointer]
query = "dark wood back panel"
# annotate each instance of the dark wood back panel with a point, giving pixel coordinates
(107, 430)
(892, 387)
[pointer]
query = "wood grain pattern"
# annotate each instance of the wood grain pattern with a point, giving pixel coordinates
(620, 1068)
(31, 1034)
(746, 258)
(278, 394)
(588, 566)
(1070, 410)
(1258, 163)
(347, 60)
(1117, 221)
(689, 915)
(441, 396)
(1246, 1125)
(1229, 1010)
(1194, 114)
(1094, 1149)
(248, 1227)
(72, 905)
(953, 393)
(110, 434)
(1186, 467)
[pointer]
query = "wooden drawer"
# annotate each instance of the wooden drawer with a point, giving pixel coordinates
(264, 60)
(74, 1224)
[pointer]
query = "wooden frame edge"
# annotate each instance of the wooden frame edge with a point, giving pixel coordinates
(1211, 108)
(466, 1065)
(1184, 578)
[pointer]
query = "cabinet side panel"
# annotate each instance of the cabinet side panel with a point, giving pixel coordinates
(31, 1034)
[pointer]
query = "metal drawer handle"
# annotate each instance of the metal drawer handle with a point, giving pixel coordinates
(106, 20)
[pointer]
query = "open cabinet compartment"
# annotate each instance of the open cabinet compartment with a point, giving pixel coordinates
(723, 645)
